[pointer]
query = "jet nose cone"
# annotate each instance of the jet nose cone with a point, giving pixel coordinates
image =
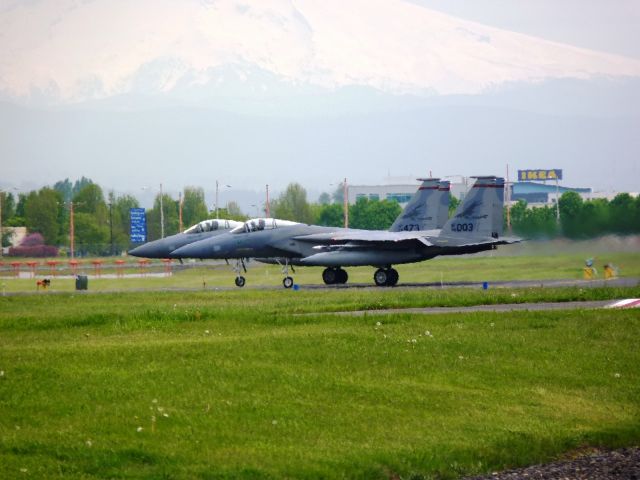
(137, 251)
(155, 249)
(188, 251)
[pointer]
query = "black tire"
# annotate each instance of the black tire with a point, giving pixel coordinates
(380, 277)
(343, 276)
(287, 282)
(329, 276)
(393, 277)
(240, 281)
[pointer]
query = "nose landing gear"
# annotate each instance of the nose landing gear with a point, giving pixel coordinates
(386, 277)
(238, 268)
(287, 282)
(332, 276)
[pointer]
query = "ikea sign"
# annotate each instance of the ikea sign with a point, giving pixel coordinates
(540, 174)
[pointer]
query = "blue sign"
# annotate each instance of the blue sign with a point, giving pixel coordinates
(138, 225)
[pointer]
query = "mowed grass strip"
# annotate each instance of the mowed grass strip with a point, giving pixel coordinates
(128, 309)
(237, 386)
(491, 267)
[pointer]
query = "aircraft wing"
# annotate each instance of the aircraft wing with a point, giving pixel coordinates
(360, 238)
(365, 237)
(446, 241)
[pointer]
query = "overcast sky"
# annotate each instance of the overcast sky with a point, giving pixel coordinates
(577, 125)
(607, 25)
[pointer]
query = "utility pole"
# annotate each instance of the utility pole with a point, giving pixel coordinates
(217, 217)
(557, 201)
(508, 195)
(71, 231)
(111, 227)
(180, 210)
(267, 209)
(217, 191)
(161, 215)
(346, 203)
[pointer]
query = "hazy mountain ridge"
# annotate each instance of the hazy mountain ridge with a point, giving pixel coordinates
(181, 146)
(209, 50)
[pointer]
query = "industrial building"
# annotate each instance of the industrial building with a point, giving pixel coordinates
(542, 193)
(402, 188)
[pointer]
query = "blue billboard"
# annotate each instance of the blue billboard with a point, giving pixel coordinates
(138, 225)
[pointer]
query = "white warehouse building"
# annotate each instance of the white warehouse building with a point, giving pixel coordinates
(400, 189)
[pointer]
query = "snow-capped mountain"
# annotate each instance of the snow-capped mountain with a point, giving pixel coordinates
(63, 51)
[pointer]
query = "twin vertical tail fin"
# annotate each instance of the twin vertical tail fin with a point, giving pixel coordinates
(444, 189)
(422, 211)
(480, 214)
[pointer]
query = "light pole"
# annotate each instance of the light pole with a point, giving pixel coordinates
(345, 200)
(346, 203)
(161, 215)
(217, 190)
(267, 208)
(111, 227)
(463, 181)
(180, 203)
(71, 231)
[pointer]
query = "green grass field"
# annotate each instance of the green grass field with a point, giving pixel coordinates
(522, 264)
(236, 384)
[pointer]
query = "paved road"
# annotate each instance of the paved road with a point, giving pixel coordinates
(503, 307)
(618, 282)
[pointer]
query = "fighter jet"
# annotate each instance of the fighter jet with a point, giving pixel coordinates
(427, 210)
(475, 226)
(163, 247)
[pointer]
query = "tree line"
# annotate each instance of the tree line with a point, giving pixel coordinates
(579, 218)
(102, 222)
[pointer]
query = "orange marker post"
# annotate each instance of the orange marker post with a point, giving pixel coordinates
(32, 268)
(52, 265)
(119, 268)
(16, 268)
(143, 263)
(167, 266)
(97, 267)
(73, 265)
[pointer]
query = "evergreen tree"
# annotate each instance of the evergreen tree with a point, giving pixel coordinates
(373, 214)
(292, 205)
(171, 220)
(65, 187)
(331, 215)
(43, 212)
(571, 205)
(194, 208)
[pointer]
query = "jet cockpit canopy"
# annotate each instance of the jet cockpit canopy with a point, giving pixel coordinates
(257, 224)
(212, 225)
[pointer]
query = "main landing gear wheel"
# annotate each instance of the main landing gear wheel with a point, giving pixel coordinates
(393, 277)
(386, 277)
(331, 276)
(343, 276)
(240, 281)
(287, 282)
